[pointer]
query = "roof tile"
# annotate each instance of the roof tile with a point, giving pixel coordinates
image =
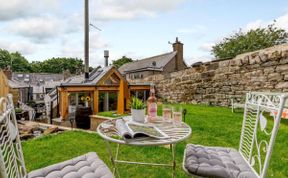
(147, 63)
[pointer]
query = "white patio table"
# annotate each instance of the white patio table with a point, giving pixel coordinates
(176, 134)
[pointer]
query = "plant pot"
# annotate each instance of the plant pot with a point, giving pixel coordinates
(138, 115)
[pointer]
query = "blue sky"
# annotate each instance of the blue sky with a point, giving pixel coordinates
(42, 29)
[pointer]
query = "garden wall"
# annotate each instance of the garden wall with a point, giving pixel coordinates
(215, 82)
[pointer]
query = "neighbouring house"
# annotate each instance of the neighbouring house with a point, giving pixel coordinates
(160, 64)
(18, 89)
(41, 83)
(105, 90)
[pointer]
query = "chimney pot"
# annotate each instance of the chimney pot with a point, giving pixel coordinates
(106, 53)
(106, 56)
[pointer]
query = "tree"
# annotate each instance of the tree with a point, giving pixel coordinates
(58, 65)
(20, 63)
(242, 42)
(5, 58)
(15, 60)
(36, 66)
(119, 62)
(54, 65)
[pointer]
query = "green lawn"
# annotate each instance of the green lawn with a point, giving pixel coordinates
(112, 114)
(215, 126)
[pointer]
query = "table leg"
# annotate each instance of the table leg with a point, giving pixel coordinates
(173, 159)
(112, 158)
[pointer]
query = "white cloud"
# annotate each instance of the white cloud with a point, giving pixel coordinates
(72, 23)
(96, 41)
(253, 25)
(23, 47)
(37, 28)
(129, 9)
(72, 47)
(206, 47)
(280, 22)
(43, 28)
(22, 8)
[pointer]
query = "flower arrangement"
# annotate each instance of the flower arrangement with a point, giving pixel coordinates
(85, 98)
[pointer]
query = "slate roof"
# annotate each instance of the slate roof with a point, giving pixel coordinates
(94, 77)
(147, 64)
(17, 84)
(35, 78)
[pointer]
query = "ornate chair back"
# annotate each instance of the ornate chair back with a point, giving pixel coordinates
(262, 116)
(11, 156)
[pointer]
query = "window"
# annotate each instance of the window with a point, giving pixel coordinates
(108, 101)
(137, 76)
(113, 79)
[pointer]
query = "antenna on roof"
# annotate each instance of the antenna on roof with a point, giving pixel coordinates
(86, 38)
(95, 27)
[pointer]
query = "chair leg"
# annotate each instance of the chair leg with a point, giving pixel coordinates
(115, 170)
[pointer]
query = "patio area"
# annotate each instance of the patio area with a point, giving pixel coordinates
(212, 126)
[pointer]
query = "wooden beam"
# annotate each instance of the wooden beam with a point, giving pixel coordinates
(108, 88)
(139, 87)
(95, 102)
(64, 105)
(112, 79)
(120, 101)
(127, 95)
(112, 71)
(79, 89)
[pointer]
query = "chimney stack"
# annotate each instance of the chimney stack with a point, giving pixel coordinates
(8, 72)
(178, 47)
(106, 56)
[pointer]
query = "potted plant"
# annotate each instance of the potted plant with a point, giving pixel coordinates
(137, 110)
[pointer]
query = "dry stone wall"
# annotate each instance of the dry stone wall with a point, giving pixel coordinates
(217, 81)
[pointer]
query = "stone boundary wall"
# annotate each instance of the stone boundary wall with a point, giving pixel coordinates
(217, 81)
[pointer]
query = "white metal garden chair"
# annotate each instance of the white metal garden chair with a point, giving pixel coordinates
(256, 143)
(11, 156)
(236, 104)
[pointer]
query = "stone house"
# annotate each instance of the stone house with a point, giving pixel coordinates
(18, 89)
(160, 64)
(40, 83)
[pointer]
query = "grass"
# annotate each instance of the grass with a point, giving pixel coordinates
(112, 114)
(212, 126)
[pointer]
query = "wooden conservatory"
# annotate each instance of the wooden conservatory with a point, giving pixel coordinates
(105, 90)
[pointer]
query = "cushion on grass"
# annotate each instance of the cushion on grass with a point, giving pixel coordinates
(85, 166)
(216, 162)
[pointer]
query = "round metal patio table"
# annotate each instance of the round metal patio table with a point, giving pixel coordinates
(176, 134)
